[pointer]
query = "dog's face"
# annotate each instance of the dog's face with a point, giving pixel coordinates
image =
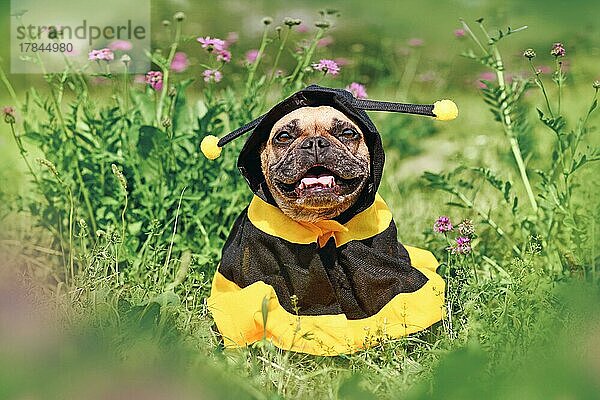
(316, 163)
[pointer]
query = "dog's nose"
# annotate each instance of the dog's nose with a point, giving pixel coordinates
(320, 142)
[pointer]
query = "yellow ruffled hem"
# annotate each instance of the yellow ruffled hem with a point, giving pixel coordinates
(239, 313)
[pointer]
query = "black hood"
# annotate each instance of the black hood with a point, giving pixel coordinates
(314, 96)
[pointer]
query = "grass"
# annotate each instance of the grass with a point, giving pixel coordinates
(111, 246)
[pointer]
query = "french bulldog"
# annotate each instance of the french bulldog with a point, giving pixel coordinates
(315, 163)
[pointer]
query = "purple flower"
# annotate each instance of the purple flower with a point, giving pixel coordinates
(416, 42)
(460, 33)
(224, 56)
(154, 79)
(105, 54)
(357, 90)
(461, 246)
(180, 62)
(251, 56)
(442, 225)
(120, 45)
(328, 67)
(558, 50)
(212, 75)
(232, 37)
(326, 41)
(211, 44)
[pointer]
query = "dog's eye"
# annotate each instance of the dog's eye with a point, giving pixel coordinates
(350, 133)
(283, 137)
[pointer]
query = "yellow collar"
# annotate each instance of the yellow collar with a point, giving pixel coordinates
(363, 225)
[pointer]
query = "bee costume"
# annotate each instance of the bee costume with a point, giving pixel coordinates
(325, 288)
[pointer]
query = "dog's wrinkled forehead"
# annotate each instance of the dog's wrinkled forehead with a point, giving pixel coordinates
(312, 119)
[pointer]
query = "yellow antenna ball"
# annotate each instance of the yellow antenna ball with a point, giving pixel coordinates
(210, 148)
(445, 110)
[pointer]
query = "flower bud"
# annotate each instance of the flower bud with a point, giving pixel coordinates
(267, 20)
(322, 24)
(596, 85)
(179, 16)
(529, 53)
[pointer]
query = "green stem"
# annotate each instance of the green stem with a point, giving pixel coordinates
(540, 84)
(300, 69)
(254, 65)
(166, 72)
(9, 88)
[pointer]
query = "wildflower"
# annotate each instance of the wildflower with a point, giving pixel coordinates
(558, 50)
(180, 62)
(267, 20)
(327, 66)
(303, 28)
(529, 53)
(123, 45)
(166, 22)
(212, 75)
(125, 59)
(232, 37)
(211, 44)
(442, 225)
(466, 228)
(461, 246)
(9, 114)
(596, 85)
(154, 79)
(179, 16)
(224, 56)
(357, 90)
(460, 33)
(322, 24)
(291, 21)
(105, 54)
(251, 56)
(326, 41)
(416, 42)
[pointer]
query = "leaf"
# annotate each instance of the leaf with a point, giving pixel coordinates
(151, 138)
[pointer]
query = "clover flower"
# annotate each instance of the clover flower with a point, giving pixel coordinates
(558, 50)
(327, 66)
(466, 228)
(9, 114)
(154, 79)
(462, 245)
(251, 56)
(105, 54)
(211, 44)
(180, 62)
(529, 53)
(224, 56)
(212, 75)
(442, 225)
(357, 90)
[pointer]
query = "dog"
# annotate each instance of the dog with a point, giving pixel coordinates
(313, 263)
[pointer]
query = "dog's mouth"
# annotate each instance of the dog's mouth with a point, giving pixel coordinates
(319, 180)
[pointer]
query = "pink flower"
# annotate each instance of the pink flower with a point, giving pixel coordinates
(105, 54)
(232, 37)
(211, 44)
(251, 56)
(326, 41)
(139, 79)
(327, 66)
(224, 56)
(357, 90)
(120, 45)
(544, 69)
(303, 28)
(485, 76)
(416, 42)
(154, 79)
(180, 62)
(462, 246)
(341, 61)
(460, 33)
(212, 75)
(9, 114)
(442, 225)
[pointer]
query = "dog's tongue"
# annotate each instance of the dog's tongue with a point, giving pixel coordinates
(325, 180)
